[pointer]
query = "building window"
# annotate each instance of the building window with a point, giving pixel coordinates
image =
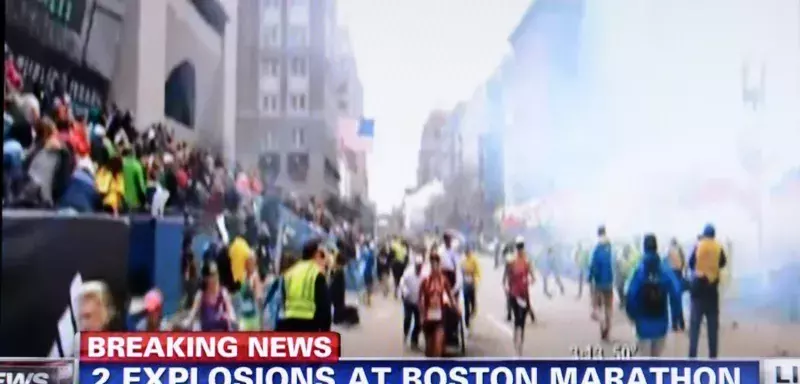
(298, 102)
(271, 68)
(299, 67)
(269, 103)
(268, 141)
(272, 35)
(298, 36)
(299, 138)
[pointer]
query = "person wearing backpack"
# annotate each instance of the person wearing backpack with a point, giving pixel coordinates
(654, 293)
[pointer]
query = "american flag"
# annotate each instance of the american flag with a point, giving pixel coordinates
(356, 134)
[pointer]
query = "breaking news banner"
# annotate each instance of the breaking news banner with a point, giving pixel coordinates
(37, 371)
(294, 358)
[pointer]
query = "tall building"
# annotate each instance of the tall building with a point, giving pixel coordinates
(350, 106)
(437, 149)
(287, 105)
(492, 167)
(542, 99)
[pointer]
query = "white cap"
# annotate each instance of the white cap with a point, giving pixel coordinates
(519, 240)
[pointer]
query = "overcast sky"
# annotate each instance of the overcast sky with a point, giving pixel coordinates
(414, 56)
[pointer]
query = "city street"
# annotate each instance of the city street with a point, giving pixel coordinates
(563, 323)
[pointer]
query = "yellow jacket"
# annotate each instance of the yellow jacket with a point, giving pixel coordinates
(111, 187)
(239, 251)
(471, 267)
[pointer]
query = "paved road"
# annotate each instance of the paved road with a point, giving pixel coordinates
(563, 323)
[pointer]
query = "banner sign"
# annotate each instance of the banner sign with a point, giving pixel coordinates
(432, 371)
(40, 62)
(46, 257)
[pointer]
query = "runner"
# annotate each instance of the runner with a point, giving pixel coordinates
(601, 276)
(676, 261)
(383, 266)
(582, 263)
(516, 279)
(471, 269)
(436, 297)
(212, 304)
(551, 268)
(250, 297)
(410, 289)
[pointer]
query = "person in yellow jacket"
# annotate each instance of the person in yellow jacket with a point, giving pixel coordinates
(705, 263)
(399, 262)
(110, 183)
(306, 299)
(471, 269)
(239, 251)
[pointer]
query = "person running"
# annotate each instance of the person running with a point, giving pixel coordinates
(552, 268)
(435, 298)
(654, 293)
(601, 277)
(509, 255)
(383, 266)
(471, 270)
(623, 267)
(250, 297)
(706, 262)
(450, 259)
(409, 291)
(676, 261)
(516, 279)
(307, 303)
(212, 304)
(582, 262)
(399, 261)
(368, 255)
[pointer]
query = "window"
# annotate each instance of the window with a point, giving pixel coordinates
(299, 67)
(268, 141)
(272, 35)
(298, 36)
(299, 137)
(297, 102)
(269, 103)
(271, 68)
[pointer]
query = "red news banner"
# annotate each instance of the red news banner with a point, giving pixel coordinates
(199, 347)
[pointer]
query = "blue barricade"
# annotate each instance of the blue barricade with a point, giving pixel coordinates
(154, 258)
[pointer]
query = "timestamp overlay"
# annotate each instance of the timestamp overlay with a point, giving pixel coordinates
(617, 350)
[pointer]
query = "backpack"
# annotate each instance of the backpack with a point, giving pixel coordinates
(653, 297)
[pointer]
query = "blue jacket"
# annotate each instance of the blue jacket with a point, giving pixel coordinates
(81, 194)
(601, 267)
(648, 327)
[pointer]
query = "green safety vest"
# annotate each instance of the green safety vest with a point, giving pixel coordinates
(300, 281)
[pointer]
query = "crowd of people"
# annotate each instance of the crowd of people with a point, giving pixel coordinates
(649, 286)
(67, 158)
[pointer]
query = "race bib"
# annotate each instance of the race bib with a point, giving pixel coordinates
(522, 302)
(435, 314)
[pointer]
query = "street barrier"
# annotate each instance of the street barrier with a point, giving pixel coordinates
(155, 257)
(44, 253)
